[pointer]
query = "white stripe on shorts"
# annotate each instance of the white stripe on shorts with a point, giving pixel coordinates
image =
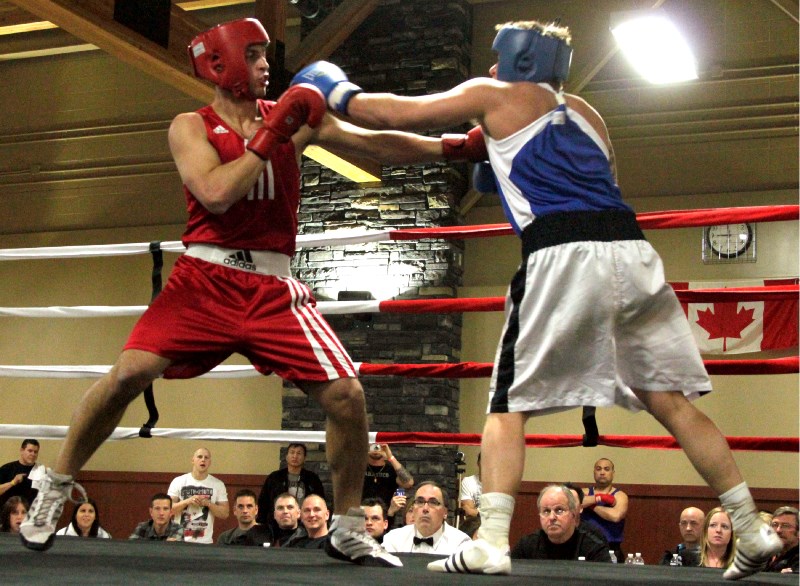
(318, 332)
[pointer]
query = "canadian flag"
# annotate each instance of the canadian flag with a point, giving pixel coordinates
(745, 326)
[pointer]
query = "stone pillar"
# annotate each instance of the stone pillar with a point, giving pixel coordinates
(411, 47)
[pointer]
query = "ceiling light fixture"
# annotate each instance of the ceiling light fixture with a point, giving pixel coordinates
(654, 46)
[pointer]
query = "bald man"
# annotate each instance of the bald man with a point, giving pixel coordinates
(198, 498)
(691, 527)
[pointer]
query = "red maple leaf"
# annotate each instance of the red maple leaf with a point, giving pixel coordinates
(724, 321)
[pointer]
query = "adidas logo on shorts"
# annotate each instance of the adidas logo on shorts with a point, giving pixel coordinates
(241, 259)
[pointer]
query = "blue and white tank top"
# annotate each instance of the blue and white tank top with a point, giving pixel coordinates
(558, 163)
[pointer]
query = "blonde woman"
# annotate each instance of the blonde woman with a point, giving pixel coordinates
(719, 541)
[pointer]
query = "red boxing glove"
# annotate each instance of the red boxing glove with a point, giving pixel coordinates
(465, 147)
(263, 143)
(300, 104)
(605, 500)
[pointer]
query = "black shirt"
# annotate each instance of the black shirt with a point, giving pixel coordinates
(536, 546)
(278, 482)
(380, 481)
(24, 489)
(789, 559)
(690, 557)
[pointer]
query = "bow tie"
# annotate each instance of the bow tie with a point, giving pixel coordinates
(428, 540)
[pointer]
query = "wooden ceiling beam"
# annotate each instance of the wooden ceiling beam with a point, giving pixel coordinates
(330, 33)
(93, 22)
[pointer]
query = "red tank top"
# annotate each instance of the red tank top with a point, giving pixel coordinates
(266, 218)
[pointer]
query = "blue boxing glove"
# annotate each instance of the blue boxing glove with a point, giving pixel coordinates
(483, 178)
(331, 81)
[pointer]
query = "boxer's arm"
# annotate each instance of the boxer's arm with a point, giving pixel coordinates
(216, 186)
(389, 147)
(469, 101)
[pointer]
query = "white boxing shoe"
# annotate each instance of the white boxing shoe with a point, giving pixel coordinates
(38, 529)
(476, 557)
(753, 550)
(349, 541)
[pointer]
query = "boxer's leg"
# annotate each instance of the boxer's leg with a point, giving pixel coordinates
(346, 449)
(708, 451)
(93, 420)
(502, 463)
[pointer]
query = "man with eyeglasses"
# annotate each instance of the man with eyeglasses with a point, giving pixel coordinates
(561, 536)
(785, 523)
(430, 532)
(691, 528)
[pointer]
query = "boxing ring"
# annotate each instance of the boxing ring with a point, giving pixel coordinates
(88, 563)
(104, 562)
(460, 370)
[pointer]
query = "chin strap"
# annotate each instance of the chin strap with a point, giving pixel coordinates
(149, 397)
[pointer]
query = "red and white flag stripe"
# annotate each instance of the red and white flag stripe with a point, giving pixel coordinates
(745, 326)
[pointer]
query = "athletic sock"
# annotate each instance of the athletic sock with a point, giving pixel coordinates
(739, 504)
(496, 509)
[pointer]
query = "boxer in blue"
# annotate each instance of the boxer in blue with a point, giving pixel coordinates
(590, 319)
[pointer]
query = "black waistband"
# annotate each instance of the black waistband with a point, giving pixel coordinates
(564, 227)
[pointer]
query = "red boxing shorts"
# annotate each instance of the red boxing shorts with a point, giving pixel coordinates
(208, 311)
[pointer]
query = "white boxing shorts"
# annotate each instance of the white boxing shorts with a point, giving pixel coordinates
(587, 321)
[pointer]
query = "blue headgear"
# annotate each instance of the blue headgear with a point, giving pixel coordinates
(528, 55)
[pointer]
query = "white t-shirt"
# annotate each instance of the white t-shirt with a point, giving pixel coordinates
(69, 531)
(198, 522)
(471, 489)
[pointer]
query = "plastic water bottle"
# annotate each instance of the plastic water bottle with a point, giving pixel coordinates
(676, 560)
(613, 556)
(629, 560)
(638, 560)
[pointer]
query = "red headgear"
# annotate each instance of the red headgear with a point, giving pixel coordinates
(218, 54)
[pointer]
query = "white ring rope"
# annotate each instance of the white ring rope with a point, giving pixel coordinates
(337, 238)
(98, 370)
(58, 311)
(124, 433)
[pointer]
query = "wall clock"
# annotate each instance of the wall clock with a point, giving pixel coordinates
(729, 240)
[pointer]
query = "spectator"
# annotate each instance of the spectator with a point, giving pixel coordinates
(785, 523)
(160, 527)
(294, 479)
(470, 498)
(198, 498)
(430, 532)
(719, 540)
(408, 514)
(13, 513)
(579, 495)
(375, 517)
(690, 525)
(286, 517)
(383, 475)
(85, 522)
(606, 506)
(314, 516)
(15, 477)
(561, 536)
(247, 531)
